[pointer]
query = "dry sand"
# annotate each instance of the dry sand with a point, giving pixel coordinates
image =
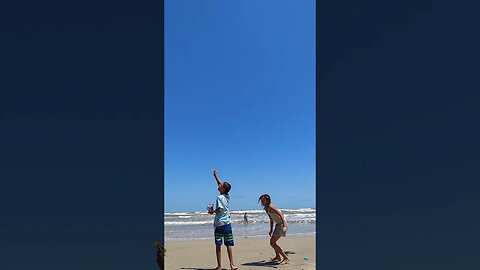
(252, 253)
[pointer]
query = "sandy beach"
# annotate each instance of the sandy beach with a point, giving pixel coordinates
(251, 253)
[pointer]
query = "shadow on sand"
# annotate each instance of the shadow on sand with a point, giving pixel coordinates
(194, 268)
(267, 263)
(259, 263)
(262, 263)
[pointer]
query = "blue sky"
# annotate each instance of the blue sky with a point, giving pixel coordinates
(240, 97)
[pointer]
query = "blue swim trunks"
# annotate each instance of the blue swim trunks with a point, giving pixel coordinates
(224, 232)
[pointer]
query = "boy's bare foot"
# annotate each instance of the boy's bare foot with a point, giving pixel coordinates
(233, 267)
(276, 259)
(285, 261)
(218, 268)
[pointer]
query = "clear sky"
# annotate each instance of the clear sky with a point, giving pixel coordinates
(239, 97)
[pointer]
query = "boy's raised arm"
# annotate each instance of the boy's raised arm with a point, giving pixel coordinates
(219, 183)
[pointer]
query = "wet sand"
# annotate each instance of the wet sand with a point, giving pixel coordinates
(249, 254)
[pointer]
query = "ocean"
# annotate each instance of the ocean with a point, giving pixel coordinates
(199, 225)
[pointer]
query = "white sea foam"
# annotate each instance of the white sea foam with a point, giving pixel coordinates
(299, 216)
(167, 223)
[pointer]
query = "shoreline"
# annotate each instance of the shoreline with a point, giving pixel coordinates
(239, 237)
(249, 253)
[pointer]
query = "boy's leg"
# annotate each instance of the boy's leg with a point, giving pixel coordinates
(278, 249)
(218, 246)
(277, 257)
(230, 257)
(219, 257)
(273, 245)
(229, 244)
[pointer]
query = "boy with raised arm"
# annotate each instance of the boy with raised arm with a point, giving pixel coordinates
(223, 227)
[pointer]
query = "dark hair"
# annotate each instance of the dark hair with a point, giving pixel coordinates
(227, 187)
(266, 196)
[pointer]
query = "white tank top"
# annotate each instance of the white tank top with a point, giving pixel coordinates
(276, 218)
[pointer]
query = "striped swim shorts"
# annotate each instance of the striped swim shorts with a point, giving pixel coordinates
(224, 232)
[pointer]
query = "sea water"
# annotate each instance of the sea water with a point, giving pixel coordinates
(199, 225)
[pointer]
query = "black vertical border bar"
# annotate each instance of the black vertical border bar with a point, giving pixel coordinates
(162, 118)
(317, 141)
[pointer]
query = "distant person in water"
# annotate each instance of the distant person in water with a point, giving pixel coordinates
(276, 216)
(245, 219)
(223, 226)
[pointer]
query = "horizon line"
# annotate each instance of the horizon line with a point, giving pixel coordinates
(281, 208)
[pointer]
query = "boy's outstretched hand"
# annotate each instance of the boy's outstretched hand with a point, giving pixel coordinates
(219, 182)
